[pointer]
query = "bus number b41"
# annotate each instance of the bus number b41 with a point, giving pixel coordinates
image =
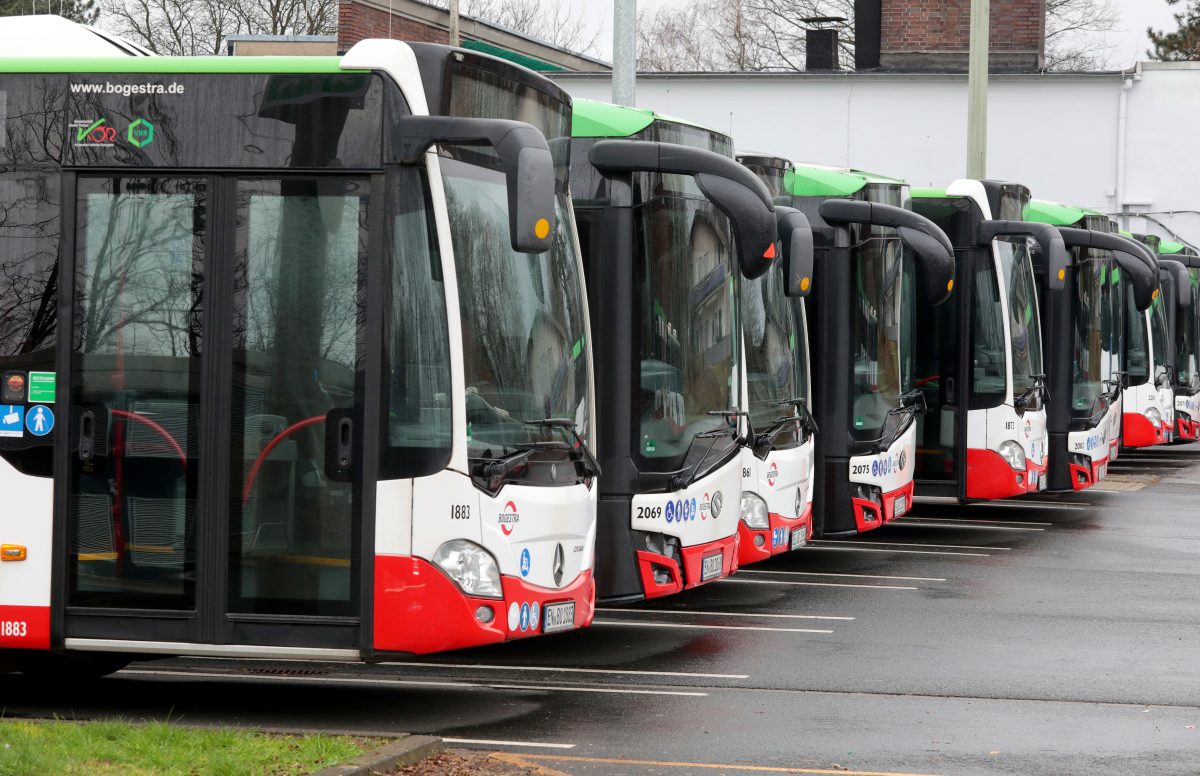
(13, 628)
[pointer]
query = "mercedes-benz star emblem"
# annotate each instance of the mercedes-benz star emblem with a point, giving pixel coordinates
(560, 562)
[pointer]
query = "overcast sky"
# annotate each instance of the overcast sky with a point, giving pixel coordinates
(1128, 41)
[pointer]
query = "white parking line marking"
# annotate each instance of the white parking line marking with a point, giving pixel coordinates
(811, 584)
(725, 614)
(557, 669)
(1031, 505)
(899, 552)
(973, 521)
(856, 576)
(403, 683)
(858, 543)
(902, 523)
(490, 742)
(707, 627)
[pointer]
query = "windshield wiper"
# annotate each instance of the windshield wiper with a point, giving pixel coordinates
(687, 476)
(1038, 388)
(912, 404)
(590, 464)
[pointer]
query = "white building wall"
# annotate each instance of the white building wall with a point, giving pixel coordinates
(1057, 134)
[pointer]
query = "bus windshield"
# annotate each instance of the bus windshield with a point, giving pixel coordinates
(523, 320)
(1137, 345)
(775, 354)
(1093, 335)
(876, 334)
(1025, 334)
(1158, 337)
(1187, 369)
(689, 351)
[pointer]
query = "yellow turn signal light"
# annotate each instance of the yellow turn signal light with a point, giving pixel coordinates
(1155, 294)
(1062, 274)
(950, 285)
(541, 228)
(804, 284)
(12, 552)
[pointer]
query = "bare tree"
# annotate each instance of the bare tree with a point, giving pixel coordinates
(192, 27)
(1074, 34)
(553, 22)
(672, 38)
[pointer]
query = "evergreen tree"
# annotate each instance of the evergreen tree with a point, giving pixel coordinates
(82, 11)
(1184, 43)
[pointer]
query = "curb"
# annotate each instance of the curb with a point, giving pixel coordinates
(405, 750)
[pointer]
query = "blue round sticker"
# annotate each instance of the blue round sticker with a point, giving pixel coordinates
(525, 562)
(534, 612)
(670, 511)
(39, 420)
(524, 617)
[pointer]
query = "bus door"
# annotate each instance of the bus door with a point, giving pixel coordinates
(210, 478)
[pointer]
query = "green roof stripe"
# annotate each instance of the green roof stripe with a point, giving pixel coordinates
(172, 65)
(1052, 213)
(811, 181)
(1169, 247)
(533, 63)
(928, 193)
(592, 118)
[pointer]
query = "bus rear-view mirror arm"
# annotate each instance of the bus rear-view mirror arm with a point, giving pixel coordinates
(524, 156)
(796, 235)
(1133, 257)
(732, 188)
(1048, 238)
(931, 245)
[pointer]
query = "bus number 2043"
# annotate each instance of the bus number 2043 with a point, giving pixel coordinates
(14, 628)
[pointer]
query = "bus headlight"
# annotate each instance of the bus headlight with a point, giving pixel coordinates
(754, 512)
(1154, 416)
(471, 567)
(1013, 453)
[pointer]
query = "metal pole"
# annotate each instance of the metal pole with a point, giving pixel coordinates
(454, 22)
(624, 73)
(977, 87)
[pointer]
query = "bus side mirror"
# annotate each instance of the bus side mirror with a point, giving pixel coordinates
(524, 157)
(1135, 261)
(754, 228)
(733, 189)
(1048, 238)
(795, 234)
(932, 247)
(1182, 279)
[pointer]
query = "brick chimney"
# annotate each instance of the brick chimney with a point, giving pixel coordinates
(934, 35)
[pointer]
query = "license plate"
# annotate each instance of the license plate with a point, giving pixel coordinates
(799, 537)
(900, 506)
(559, 617)
(710, 567)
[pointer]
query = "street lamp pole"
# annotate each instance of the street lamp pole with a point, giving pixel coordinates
(977, 88)
(624, 72)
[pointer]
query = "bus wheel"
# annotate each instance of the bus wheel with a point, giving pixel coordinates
(64, 667)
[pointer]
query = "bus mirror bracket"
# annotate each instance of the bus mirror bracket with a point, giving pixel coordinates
(524, 156)
(732, 188)
(1048, 238)
(796, 235)
(1133, 257)
(931, 245)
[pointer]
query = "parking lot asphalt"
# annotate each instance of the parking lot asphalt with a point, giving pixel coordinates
(1050, 635)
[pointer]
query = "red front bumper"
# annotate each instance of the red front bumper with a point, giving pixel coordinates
(868, 515)
(1084, 477)
(755, 544)
(1186, 429)
(1138, 431)
(679, 579)
(990, 477)
(418, 609)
